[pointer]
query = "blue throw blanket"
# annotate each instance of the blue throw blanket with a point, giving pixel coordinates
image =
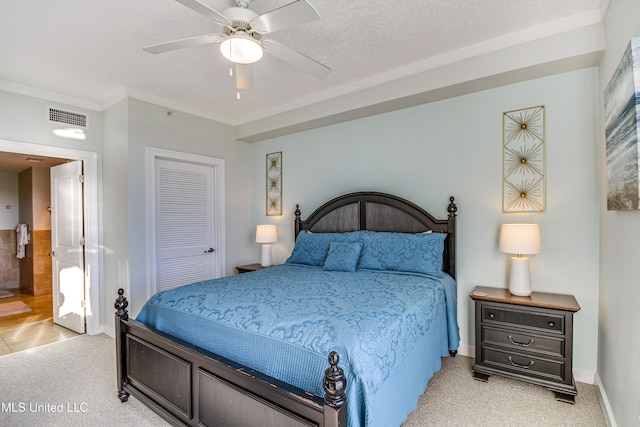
(390, 329)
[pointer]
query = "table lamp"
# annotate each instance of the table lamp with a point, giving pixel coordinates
(520, 239)
(266, 234)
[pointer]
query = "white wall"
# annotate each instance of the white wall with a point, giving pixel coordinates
(8, 196)
(115, 218)
(132, 128)
(454, 147)
(619, 344)
(23, 119)
(24, 129)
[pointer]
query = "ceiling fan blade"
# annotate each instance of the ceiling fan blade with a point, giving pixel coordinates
(298, 12)
(244, 76)
(205, 10)
(179, 44)
(296, 59)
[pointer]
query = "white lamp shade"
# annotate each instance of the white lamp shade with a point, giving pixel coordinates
(521, 239)
(241, 48)
(266, 234)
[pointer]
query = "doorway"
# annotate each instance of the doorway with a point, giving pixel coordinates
(92, 246)
(27, 290)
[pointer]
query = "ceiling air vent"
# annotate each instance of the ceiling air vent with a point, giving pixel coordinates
(56, 115)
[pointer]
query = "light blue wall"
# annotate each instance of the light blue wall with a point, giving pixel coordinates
(619, 339)
(454, 147)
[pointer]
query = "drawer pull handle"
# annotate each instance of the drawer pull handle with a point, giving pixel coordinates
(491, 315)
(517, 365)
(523, 344)
(552, 324)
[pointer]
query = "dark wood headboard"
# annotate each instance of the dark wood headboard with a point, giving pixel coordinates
(381, 212)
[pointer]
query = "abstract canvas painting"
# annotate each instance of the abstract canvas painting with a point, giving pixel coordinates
(622, 121)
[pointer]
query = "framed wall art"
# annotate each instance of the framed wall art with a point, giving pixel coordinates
(274, 183)
(523, 171)
(622, 130)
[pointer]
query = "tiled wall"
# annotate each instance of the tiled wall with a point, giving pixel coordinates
(9, 264)
(35, 267)
(41, 240)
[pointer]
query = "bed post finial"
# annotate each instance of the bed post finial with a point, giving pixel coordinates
(121, 305)
(452, 208)
(297, 221)
(335, 383)
(122, 315)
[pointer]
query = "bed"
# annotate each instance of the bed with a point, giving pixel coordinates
(334, 339)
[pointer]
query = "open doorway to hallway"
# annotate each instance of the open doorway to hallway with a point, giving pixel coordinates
(26, 311)
(93, 249)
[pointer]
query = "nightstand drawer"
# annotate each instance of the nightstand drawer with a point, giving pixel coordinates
(532, 319)
(525, 364)
(550, 345)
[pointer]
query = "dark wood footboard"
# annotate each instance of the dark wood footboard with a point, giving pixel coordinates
(188, 385)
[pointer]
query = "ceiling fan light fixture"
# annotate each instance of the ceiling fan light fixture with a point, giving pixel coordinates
(241, 48)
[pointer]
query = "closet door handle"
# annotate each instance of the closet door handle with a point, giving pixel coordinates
(209, 250)
(51, 254)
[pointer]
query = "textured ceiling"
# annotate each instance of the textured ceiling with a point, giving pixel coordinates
(92, 49)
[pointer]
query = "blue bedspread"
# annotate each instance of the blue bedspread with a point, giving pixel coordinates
(390, 329)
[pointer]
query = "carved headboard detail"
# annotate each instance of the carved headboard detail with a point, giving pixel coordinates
(381, 212)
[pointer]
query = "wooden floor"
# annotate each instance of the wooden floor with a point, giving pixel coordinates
(32, 329)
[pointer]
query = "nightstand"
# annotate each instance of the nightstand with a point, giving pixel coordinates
(526, 338)
(249, 267)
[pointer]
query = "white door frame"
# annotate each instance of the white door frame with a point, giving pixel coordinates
(151, 155)
(93, 246)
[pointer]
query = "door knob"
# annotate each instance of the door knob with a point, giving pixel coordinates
(210, 250)
(52, 254)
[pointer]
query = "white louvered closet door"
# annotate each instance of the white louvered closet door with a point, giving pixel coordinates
(185, 224)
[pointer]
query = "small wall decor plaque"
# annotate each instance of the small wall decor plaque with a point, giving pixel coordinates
(274, 183)
(523, 184)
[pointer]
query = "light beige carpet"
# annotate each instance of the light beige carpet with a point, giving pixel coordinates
(68, 383)
(454, 398)
(78, 377)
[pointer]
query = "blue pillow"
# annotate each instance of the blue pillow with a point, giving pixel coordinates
(414, 253)
(312, 248)
(343, 256)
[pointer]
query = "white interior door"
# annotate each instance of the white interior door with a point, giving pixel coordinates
(67, 244)
(185, 223)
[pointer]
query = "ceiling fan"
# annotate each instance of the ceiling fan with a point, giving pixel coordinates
(243, 40)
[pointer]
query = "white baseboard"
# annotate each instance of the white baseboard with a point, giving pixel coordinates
(110, 330)
(582, 376)
(604, 402)
(467, 350)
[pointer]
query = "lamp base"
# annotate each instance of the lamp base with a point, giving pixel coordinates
(520, 279)
(266, 255)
